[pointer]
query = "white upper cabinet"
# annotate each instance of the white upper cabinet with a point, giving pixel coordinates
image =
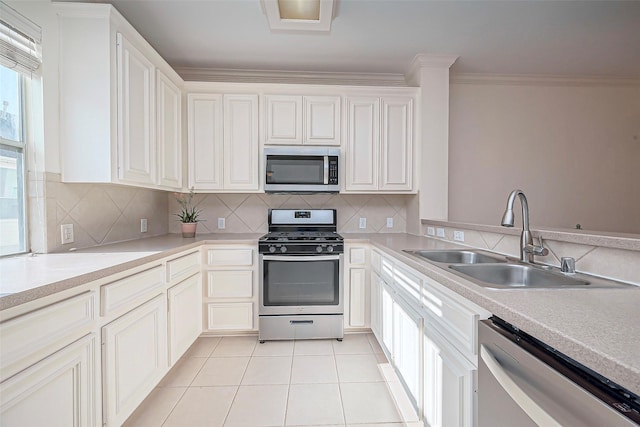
(119, 103)
(204, 116)
(363, 142)
(379, 146)
(240, 151)
(136, 98)
(297, 119)
(223, 142)
(169, 131)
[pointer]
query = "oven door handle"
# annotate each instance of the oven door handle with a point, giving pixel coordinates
(301, 258)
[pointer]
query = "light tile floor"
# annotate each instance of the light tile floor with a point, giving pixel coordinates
(235, 381)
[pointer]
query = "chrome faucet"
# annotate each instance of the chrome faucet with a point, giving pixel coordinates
(527, 248)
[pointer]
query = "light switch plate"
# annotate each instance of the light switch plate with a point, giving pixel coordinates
(221, 223)
(66, 231)
(440, 232)
(431, 231)
(458, 235)
(363, 223)
(389, 222)
(143, 225)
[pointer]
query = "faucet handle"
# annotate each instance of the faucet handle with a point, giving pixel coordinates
(568, 265)
(540, 250)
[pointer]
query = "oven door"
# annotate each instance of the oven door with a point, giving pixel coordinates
(291, 284)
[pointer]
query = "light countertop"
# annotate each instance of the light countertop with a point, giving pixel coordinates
(599, 328)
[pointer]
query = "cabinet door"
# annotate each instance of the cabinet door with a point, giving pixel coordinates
(185, 316)
(204, 115)
(284, 119)
(322, 120)
(230, 316)
(376, 308)
(168, 132)
(357, 297)
(407, 348)
(57, 391)
(136, 106)
(241, 142)
(134, 357)
(386, 318)
(448, 384)
(363, 133)
(396, 144)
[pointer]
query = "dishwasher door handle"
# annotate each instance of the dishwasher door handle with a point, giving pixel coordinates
(524, 401)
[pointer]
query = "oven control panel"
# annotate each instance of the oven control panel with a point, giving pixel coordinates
(301, 248)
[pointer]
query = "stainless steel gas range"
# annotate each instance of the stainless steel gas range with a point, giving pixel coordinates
(301, 290)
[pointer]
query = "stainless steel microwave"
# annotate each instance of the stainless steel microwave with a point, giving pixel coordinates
(301, 170)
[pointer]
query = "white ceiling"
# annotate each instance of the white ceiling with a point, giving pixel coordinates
(571, 38)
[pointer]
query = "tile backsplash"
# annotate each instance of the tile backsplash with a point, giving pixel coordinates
(247, 213)
(100, 213)
(609, 262)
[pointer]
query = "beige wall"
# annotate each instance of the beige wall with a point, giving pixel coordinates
(573, 149)
(247, 213)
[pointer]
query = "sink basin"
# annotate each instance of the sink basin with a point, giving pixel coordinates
(505, 276)
(455, 256)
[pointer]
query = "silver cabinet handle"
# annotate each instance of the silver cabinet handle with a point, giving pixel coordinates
(524, 401)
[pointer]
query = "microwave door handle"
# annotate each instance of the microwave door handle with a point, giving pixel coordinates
(326, 170)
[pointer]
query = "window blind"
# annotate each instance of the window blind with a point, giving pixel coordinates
(20, 41)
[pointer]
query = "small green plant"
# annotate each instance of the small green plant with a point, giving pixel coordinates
(189, 212)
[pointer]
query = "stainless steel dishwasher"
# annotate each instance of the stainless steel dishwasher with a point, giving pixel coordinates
(524, 382)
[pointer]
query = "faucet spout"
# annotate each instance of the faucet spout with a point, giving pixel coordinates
(527, 248)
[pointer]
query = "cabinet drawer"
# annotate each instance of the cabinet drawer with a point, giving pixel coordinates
(31, 337)
(230, 316)
(386, 269)
(358, 256)
(131, 291)
(455, 321)
(230, 257)
(230, 284)
(183, 267)
(408, 282)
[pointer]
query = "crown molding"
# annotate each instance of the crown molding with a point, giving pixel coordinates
(541, 80)
(292, 77)
(425, 60)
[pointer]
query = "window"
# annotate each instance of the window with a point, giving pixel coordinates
(13, 227)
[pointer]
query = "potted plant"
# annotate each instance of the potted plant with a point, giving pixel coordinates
(188, 215)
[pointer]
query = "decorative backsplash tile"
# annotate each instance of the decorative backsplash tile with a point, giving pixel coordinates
(247, 213)
(613, 263)
(100, 213)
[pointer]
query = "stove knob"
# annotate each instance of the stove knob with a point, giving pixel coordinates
(283, 249)
(319, 249)
(272, 249)
(330, 249)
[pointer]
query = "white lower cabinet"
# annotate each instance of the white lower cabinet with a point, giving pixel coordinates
(386, 318)
(134, 356)
(231, 289)
(407, 347)
(357, 297)
(60, 390)
(376, 305)
(449, 384)
(185, 316)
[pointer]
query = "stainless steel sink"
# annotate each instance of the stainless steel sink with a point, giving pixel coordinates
(506, 276)
(455, 256)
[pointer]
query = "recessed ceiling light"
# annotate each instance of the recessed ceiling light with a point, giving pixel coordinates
(299, 15)
(299, 9)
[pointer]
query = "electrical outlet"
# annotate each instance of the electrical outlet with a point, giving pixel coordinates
(66, 231)
(363, 223)
(431, 231)
(389, 222)
(221, 223)
(143, 225)
(440, 232)
(458, 235)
